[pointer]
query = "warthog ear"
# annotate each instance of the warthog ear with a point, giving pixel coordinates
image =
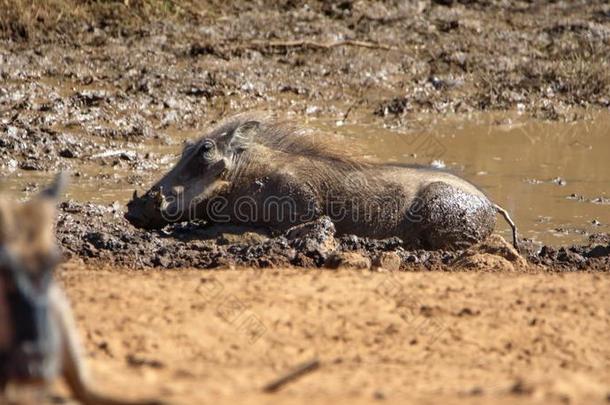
(56, 188)
(247, 128)
(242, 135)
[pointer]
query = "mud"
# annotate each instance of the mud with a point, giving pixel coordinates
(97, 233)
(111, 97)
(110, 94)
(94, 78)
(435, 56)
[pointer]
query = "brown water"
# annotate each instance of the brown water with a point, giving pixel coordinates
(554, 178)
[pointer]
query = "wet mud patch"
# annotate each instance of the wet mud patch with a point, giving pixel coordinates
(97, 233)
(171, 65)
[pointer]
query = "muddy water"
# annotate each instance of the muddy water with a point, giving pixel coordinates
(553, 177)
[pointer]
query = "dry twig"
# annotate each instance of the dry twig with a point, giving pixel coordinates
(292, 375)
(320, 45)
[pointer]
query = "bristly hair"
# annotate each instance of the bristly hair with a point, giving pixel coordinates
(286, 137)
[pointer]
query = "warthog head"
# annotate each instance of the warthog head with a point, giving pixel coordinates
(29, 338)
(201, 173)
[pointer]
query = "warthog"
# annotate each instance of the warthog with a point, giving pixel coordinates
(258, 172)
(38, 337)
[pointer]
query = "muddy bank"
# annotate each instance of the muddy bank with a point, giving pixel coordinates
(79, 78)
(109, 90)
(129, 72)
(97, 233)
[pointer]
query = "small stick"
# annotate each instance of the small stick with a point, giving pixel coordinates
(312, 44)
(508, 219)
(350, 108)
(292, 375)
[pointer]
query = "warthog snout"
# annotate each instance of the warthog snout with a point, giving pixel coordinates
(149, 211)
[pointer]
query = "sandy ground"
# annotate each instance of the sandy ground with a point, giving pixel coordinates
(193, 336)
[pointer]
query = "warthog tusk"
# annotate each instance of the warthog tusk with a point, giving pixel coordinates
(160, 200)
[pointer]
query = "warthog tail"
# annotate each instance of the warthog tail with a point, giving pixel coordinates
(510, 222)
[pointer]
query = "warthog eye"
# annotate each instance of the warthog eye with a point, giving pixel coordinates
(208, 149)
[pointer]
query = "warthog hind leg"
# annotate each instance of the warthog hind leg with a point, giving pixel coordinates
(446, 217)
